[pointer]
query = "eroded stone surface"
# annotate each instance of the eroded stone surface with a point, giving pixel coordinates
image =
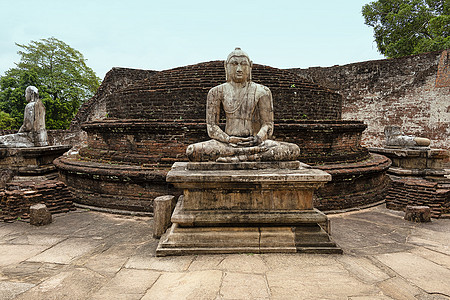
(127, 284)
(9, 290)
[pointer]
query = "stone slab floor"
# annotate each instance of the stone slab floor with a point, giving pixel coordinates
(91, 255)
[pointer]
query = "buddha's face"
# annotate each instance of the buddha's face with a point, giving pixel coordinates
(238, 69)
(31, 94)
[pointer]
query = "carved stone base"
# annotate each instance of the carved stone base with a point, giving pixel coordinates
(415, 161)
(219, 240)
(33, 161)
(241, 209)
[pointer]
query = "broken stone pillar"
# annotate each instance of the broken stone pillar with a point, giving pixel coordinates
(418, 213)
(162, 211)
(40, 215)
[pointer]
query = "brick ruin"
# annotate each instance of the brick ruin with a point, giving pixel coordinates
(17, 197)
(29, 177)
(146, 126)
(411, 92)
(125, 153)
(416, 191)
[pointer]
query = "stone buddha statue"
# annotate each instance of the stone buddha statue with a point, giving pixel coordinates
(248, 108)
(395, 138)
(33, 132)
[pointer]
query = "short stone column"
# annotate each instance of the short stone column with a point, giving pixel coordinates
(418, 213)
(40, 215)
(162, 212)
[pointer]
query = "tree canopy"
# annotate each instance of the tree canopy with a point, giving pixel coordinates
(405, 27)
(61, 75)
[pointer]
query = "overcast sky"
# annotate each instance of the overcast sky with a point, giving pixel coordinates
(165, 34)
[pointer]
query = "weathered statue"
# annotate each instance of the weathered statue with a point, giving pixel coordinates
(248, 108)
(396, 138)
(33, 132)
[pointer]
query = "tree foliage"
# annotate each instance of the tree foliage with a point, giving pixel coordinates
(405, 27)
(58, 71)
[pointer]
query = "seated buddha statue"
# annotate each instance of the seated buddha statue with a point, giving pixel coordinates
(395, 138)
(32, 133)
(248, 108)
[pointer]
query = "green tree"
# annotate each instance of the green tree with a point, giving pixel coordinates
(6, 121)
(58, 71)
(405, 27)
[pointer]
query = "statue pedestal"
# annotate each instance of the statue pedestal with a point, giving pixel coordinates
(33, 161)
(418, 178)
(32, 181)
(255, 207)
(418, 161)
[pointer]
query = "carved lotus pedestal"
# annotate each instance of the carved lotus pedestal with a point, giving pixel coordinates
(253, 207)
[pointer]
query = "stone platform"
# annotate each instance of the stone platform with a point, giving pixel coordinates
(418, 177)
(248, 207)
(33, 161)
(32, 180)
(419, 161)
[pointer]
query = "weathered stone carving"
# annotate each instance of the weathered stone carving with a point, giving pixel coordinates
(248, 108)
(396, 138)
(33, 132)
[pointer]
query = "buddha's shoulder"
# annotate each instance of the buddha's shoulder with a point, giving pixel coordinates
(260, 89)
(219, 88)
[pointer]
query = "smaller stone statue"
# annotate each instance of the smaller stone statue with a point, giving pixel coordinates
(395, 138)
(33, 132)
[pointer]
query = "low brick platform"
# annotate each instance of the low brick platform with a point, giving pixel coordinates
(417, 191)
(16, 199)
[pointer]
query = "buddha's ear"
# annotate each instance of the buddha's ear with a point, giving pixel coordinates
(226, 71)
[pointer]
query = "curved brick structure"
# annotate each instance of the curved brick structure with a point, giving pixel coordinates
(165, 142)
(161, 96)
(151, 120)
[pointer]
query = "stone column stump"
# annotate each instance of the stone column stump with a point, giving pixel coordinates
(163, 208)
(418, 213)
(40, 215)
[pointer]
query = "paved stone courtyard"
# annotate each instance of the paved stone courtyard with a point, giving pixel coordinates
(92, 255)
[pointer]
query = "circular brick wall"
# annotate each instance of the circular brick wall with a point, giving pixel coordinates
(151, 121)
(180, 94)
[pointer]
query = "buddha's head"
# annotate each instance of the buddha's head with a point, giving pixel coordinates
(238, 66)
(31, 94)
(392, 131)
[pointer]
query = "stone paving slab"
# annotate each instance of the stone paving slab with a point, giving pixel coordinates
(187, 285)
(91, 255)
(14, 254)
(426, 274)
(66, 251)
(128, 284)
(9, 290)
